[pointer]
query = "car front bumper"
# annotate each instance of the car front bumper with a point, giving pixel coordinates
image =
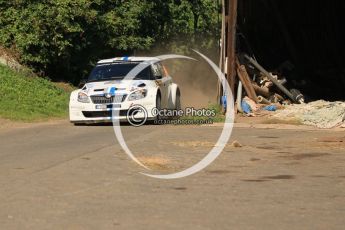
(92, 113)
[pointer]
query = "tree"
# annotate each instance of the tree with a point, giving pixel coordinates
(64, 38)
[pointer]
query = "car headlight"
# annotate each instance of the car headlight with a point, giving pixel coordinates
(137, 95)
(83, 98)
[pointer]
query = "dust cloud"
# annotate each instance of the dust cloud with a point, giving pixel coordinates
(196, 79)
(197, 82)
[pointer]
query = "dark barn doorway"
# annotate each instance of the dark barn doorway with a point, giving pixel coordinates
(307, 35)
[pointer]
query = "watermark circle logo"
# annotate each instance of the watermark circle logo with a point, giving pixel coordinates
(137, 115)
(222, 140)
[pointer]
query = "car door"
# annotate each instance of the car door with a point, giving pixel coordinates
(163, 83)
(167, 79)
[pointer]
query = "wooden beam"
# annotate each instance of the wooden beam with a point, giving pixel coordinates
(222, 53)
(245, 79)
(263, 91)
(231, 43)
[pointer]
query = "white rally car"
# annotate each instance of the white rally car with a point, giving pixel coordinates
(106, 90)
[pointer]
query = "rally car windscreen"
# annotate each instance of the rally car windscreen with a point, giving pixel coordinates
(117, 71)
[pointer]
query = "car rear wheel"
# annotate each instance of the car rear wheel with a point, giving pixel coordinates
(178, 101)
(158, 106)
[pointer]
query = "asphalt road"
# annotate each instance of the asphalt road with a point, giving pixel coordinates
(57, 176)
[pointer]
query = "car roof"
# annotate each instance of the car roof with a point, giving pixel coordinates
(129, 59)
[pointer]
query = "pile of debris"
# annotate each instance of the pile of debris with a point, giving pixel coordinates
(266, 91)
(321, 114)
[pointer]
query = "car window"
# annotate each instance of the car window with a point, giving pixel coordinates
(117, 71)
(156, 70)
(164, 71)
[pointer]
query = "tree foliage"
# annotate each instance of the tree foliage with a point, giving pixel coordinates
(64, 38)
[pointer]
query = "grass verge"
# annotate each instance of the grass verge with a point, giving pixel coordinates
(30, 99)
(219, 117)
(282, 121)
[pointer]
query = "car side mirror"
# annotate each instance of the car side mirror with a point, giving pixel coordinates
(159, 77)
(81, 83)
